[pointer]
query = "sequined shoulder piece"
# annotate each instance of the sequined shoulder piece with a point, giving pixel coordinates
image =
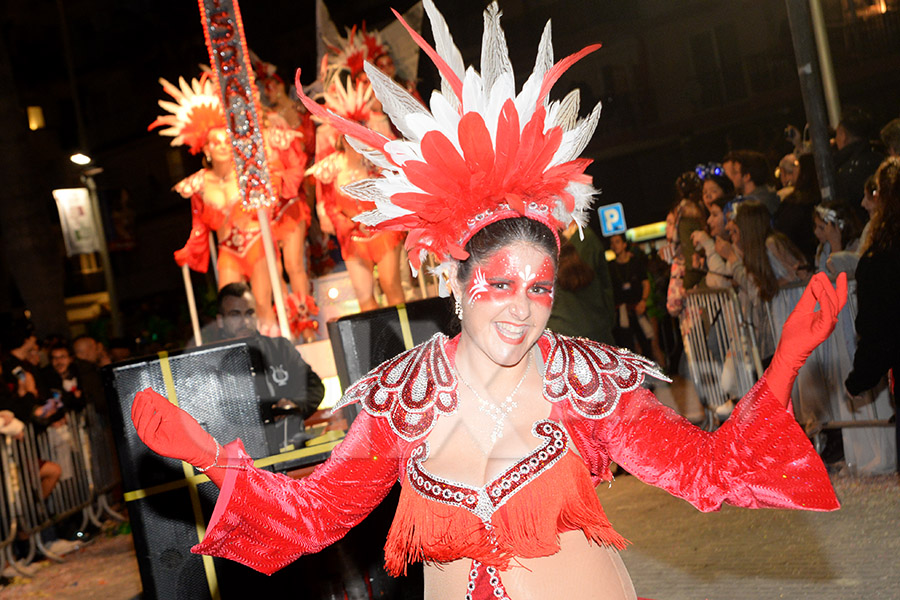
(410, 389)
(190, 185)
(591, 375)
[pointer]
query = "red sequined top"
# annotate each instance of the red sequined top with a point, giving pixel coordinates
(760, 457)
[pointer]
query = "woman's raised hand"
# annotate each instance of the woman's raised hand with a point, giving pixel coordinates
(804, 329)
(170, 431)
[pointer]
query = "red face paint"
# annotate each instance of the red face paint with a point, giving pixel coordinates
(507, 275)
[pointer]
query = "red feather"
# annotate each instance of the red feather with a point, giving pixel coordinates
(442, 66)
(354, 130)
(556, 71)
(476, 144)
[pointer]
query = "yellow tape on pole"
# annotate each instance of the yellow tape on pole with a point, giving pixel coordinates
(323, 443)
(404, 327)
(208, 565)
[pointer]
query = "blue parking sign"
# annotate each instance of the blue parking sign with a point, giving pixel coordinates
(612, 219)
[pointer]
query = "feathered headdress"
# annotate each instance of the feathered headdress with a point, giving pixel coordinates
(197, 109)
(360, 46)
(483, 152)
(351, 101)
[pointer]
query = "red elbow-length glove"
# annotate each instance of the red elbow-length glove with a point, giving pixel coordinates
(804, 330)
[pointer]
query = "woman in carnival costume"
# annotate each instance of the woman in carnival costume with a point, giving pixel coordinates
(291, 136)
(362, 248)
(196, 120)
(499, 435)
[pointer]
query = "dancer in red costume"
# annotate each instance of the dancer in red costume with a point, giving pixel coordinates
(290, 134)
(499, 435)
(197, 120)
(361, 248)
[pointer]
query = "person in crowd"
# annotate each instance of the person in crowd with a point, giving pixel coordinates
(60, 376)
(787, 172)
(683, 219)
(763, 260)
(119, 349)
(750, 173)
(290, 384)
(715, 187)
(19, 394)
(890, 137)
(838, 230)
(712, 241)
(631, 288)
(877, 285)
(492, 512)
(795, 213)
(88, 349)
(854, 158)
(583, 305)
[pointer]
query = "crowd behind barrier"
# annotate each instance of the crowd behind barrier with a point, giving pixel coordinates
(83, 448)
(721, 348)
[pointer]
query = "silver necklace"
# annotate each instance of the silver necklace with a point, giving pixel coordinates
(497, 412)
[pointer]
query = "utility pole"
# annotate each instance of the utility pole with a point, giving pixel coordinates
(806, 56)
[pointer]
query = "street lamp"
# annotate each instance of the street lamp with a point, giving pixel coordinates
(80, 159)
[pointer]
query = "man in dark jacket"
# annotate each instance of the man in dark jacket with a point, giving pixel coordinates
(854, 160)
(289, 381)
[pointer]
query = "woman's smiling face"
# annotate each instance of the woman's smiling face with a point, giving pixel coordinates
(507, 301)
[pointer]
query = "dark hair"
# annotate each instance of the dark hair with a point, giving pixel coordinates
(234, 290)
(19, 333)
(752, 163)
(890, 136)
(806, 188)
(857, 122)
(60, 346)
(689, 186)
(886, 218)
(755, 226)
(849, 226)
(573, 273)
(502, 233)
(723, 201)
(723, 182)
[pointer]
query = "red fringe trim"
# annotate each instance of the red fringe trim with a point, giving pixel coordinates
(527, 526)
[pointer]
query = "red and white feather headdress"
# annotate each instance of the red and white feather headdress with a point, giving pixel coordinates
(481, 154)
(197, 109)
(359, 47)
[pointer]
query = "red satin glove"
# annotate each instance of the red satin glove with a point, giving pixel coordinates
(804, 329)
(170, 431)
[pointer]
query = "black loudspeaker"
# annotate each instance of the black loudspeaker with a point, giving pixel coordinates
(363, 341)
(215, 384)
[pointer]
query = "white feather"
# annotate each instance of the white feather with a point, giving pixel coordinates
(370, 154)
(544, 59)
(565, 113)
(575, 141)
(396, 101)
(473, 92)
(401, 151)
(494, 53)
(445, 47)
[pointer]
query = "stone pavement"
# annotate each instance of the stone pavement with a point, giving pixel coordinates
(679, 553)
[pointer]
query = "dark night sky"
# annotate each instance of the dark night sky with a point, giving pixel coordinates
(119, 49)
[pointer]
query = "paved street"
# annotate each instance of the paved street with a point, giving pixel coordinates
(679, 553)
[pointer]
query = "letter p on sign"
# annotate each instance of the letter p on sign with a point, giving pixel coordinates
(612, 219)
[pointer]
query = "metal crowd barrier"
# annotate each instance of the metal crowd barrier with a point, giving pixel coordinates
(83, 448)
(720, 348)
(820, 400)
(721, 343)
